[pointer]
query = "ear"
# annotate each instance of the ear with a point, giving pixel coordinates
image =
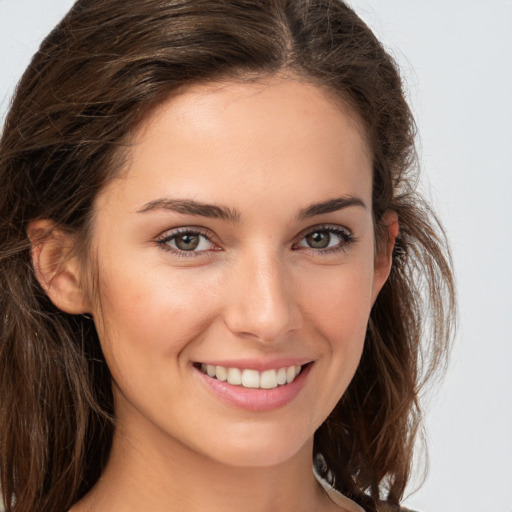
(383, 258)
(57, 271)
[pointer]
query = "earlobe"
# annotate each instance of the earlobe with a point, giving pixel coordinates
(384, 258)
(56, 269)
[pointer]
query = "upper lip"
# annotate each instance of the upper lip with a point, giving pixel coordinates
(259, 364)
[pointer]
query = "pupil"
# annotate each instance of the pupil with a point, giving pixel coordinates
(318, 240)
(187, 242)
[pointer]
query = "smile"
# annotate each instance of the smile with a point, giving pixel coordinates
(243, 386)
(253, 379)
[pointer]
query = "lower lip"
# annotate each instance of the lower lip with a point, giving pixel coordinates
(256, 399)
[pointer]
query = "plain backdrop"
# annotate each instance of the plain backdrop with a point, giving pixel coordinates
(456, 60)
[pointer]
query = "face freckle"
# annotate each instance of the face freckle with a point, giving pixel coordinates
(240, 237)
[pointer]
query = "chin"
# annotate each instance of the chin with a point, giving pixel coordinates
(255, 448)
(256, 457)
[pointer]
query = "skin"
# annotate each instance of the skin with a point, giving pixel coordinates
(254, 289)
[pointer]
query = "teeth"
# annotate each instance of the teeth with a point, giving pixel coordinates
(281, 376)
(221, 373)
(290, 374)
(247, 378)
(250, 379)
(234, 376)
(268, 379)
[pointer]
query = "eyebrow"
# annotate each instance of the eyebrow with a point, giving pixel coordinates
(191, 207)
(329, 206)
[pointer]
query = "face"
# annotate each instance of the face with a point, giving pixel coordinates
(237, 269)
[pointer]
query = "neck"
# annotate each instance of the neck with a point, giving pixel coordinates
(153, 471)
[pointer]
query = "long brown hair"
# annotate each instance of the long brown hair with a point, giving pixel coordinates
(97, 74)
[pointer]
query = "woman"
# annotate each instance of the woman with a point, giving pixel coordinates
(215, 268)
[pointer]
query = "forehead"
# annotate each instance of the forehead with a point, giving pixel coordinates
(265, 105)
(230, 137)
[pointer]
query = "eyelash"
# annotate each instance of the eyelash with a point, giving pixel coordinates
(163, 242)
(345, 235)
(346, 239)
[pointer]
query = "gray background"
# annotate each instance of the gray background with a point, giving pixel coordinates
(456, 58)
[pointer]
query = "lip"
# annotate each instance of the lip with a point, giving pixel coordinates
(255, 399)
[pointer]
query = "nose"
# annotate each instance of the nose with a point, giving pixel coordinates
(264, 303)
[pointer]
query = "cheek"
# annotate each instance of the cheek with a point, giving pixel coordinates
(147, 316)
(336, 306)
(338, 301)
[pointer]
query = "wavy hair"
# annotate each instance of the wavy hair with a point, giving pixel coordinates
(94, 78)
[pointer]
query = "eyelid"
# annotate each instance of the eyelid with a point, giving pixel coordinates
(168, 233)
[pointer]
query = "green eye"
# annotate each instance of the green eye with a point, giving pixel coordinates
(187, 242)
(318, 239)
(327, 239)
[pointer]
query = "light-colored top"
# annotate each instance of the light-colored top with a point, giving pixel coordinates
(337, 497)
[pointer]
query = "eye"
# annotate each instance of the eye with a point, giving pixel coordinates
(185, 241)
(326, 239)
